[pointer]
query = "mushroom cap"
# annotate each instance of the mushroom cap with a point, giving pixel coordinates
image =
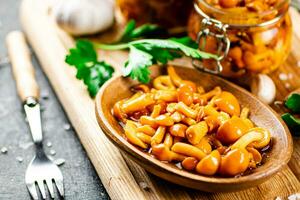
(228, 103)
(178, 130)
(209, 164)
(189, 163)
(232, 130)
(185, 94)
(234, 162)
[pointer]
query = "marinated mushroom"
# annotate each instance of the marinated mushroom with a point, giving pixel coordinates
(187, 111)
(188, 150)
(177, 117)
(228, 3)
(147, 120)
(255, 154)
(204, 145)
(166, 95)
(178, 130)
(164, 120)
(130, 132)
(196, 132)
(220, 117)
(168, 141)
(234, 162)
(158, 136)
(209, 164)
(163, 83)
(137, 103)
(232, 130)
(257, 137)
(163, 153)
(174, 76)
(185, 94)
(147, 129)
(228, 103)
(118, 112)
(189, 163)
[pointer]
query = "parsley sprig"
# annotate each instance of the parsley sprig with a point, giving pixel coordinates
(292, 103)
(93, 73)
(142, 54)
(146, 52)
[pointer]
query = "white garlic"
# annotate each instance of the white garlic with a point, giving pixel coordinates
(264, 88)
(84, 17)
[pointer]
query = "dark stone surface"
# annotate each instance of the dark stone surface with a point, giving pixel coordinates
(80, 179)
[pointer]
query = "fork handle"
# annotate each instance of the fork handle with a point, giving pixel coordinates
(22, 67)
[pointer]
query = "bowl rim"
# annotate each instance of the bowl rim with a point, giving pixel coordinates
(117, 139)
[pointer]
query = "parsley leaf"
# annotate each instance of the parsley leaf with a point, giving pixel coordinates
(173, 45)
(142, 54)
(131, 32)
(93, 73)
(137, 65)
(187, 41)
(292, 122)
(293, 102)
(159, 55)
(146, 52)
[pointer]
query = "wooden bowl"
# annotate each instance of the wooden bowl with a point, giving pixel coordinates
(262, 115)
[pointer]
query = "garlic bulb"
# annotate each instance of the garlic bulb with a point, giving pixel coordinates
(264, 88)
(84, 17)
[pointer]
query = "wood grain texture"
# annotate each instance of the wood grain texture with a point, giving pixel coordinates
(51, 46)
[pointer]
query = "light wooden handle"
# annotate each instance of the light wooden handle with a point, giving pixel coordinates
(22, 67)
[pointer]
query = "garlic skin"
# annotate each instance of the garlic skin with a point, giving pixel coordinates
(264, 88)
(84, 17)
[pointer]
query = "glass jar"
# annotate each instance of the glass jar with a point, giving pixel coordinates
(167, 13)
(253, 37)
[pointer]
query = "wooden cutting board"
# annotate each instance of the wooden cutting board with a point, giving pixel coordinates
(122, 178)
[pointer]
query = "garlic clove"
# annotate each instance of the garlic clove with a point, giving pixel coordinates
(86, 17)
(264, 88)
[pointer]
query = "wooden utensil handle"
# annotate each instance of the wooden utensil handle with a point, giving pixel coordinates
(22, 67)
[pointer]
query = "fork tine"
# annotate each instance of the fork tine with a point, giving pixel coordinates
(32, 190)
(50, 187)
(60, 186)
(42, 188)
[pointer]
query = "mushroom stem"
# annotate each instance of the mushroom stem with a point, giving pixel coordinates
(174, 76)
(188, 150)
(163, 153)
(252, 136)
(130, 132)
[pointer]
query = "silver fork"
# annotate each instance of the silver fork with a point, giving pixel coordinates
(41, 170)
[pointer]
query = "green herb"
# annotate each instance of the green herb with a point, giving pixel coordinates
(292, 122)
(187, 41)
(93, 73)
(146, 52)
(131, 32)
(293, 103)
(142, 54)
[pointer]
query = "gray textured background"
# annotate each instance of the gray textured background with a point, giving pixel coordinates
(81, 181)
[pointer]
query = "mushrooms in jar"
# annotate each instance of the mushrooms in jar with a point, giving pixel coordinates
(259, 33)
